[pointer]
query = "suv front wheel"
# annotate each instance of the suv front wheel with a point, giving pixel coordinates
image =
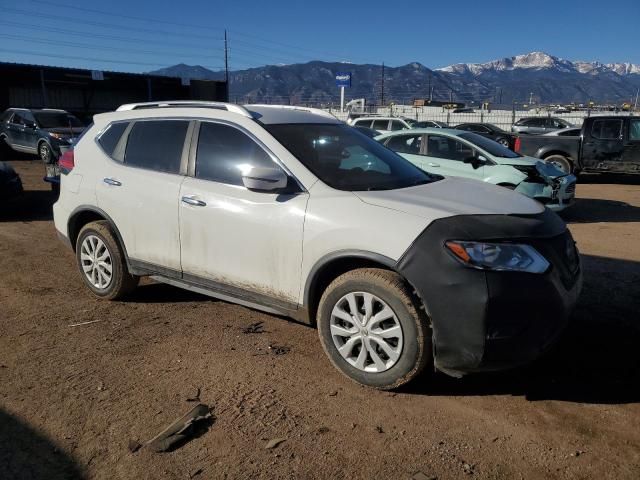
(102, 262)
(373, 329)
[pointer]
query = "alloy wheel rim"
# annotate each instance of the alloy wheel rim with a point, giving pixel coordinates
(366, 332)
(96, 262)
(44, 152)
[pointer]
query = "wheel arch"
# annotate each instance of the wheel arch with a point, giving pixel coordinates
(85, 214)
(547, 152)
(331, 266)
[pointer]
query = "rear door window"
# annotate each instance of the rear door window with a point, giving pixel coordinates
(156, 145)
(634, 130)
(405, 144)
(380, 125)
(607, 129)
(225, 153)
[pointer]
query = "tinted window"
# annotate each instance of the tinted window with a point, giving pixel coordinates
(363, 123)
(6, 115)
(156, 145)
(57, 119)
(447, 148)
(405, 144)
(109, 139)
(380, 125)
(22, 118)
(634, 130)
(346, 160)
(225, 153)
(606, 129)
(396, 125)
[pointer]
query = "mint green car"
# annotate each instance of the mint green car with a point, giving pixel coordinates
(459, 153)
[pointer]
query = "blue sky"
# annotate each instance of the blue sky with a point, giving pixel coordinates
(435, 33)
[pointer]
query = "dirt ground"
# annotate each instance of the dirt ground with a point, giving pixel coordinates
(71, 398)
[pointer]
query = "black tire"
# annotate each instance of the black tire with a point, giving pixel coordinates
(388, 286)
(562, 162)
(122, 282)
(45, 153)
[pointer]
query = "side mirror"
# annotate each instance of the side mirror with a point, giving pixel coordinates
(265, 179)
(476, 162)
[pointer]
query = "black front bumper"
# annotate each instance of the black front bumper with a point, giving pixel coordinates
(486, 320)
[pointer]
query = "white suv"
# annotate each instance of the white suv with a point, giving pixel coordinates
(290, 211)
(382, 124)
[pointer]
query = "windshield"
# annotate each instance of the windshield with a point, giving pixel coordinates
(346, 159)
(488, 145)
(56, 119)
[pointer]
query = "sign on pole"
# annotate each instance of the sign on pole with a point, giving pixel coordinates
(343, 79)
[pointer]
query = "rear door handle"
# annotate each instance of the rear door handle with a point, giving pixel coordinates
(190, 200)
(112, 181)
(431, 164)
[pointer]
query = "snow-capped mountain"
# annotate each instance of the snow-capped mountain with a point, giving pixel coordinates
(540, 61)
(546, 78)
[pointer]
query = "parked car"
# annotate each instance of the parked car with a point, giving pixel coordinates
(290, 211)
(604, 144)
(429, 124)
(47, 133)
(382, 124)
(369, 132)
(10, 183)
(458, 153)
(539, 125)
(567, 132)
(488, 130)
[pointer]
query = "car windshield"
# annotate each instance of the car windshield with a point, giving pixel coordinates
(488, 145)
(345, 159)
(56, 119)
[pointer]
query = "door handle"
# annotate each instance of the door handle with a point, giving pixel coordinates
(189, 200)
(112, 181)
(431, 164)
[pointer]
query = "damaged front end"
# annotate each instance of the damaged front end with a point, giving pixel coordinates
(548, 185)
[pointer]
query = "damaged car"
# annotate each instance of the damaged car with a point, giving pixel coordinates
(466, 154)
(290, 211)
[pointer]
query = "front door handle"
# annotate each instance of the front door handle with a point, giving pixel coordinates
(432, 164)
(112, 181)
(189, 200)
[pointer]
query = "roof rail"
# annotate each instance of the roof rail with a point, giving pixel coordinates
(315, 111)
(230, 107)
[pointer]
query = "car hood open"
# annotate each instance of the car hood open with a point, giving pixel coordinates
(452, 196)
(544, 169)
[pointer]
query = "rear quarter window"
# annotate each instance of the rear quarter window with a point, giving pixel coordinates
(111, 136)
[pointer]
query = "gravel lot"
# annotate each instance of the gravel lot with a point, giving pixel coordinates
(71, 398)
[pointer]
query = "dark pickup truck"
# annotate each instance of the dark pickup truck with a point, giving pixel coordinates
(605, 144)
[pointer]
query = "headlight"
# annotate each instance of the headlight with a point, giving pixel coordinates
(60, 136)
(498, 256)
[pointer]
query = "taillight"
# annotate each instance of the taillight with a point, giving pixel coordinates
(66, 162)
(516, 145)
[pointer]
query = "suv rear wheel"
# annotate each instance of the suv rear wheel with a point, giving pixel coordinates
(102, 263)
(372, 328)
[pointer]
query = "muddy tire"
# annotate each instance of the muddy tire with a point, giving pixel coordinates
(560, 161)
(102, 263)
(373, 329)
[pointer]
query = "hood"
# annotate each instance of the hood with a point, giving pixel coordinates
(72, 132)
(453, 196)
(544, 169)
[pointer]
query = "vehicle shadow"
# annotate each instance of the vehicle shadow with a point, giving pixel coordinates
(609, 178)
(164, 293)
(594, 210)
(27, 454)
(597, 359)
(28, 206)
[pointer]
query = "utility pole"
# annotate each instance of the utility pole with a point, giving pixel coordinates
(530, 98)
(450, 95)
(430, 91)
(382, 88)
(226, 63)
(635, 105)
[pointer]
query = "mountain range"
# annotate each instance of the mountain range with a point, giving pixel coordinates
(535, 76)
